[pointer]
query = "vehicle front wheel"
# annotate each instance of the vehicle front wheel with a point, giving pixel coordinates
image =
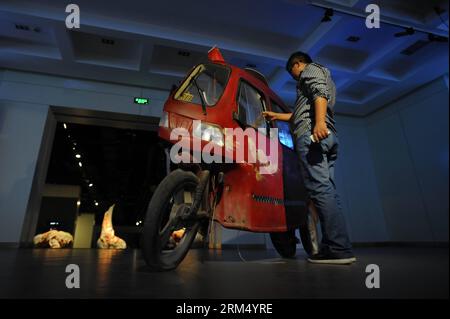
(167, 237)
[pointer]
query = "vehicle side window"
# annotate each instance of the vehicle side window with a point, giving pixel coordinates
(284, 131)
(252, 103)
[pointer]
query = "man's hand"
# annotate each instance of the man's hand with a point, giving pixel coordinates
(320, 131)
(270, 115)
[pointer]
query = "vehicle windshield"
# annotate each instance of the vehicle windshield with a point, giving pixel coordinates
(211, 80)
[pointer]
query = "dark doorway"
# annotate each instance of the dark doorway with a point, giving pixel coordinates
(109, 165)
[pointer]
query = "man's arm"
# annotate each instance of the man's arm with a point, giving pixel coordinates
(277, 116)
(315, 79)
(320, 130)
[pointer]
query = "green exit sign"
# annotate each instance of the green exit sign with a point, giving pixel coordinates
(141, 100)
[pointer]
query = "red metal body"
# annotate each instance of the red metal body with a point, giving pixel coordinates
(250, 200)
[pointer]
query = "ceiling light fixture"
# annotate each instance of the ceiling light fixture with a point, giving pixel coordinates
(327, 15)
(436, 38)
(408, 31)
(22, 27)
(108, 41)
(385, 20)
(353, 38)
(184, 53)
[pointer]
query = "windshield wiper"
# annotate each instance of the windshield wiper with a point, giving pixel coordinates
(200, 94)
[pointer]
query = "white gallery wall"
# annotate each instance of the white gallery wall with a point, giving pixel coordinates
(392, 171)
(356, 183)
(409, 144)
(21, 129)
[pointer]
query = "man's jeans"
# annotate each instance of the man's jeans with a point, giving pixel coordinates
(317, 161)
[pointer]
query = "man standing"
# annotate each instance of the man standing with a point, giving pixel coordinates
(316, 144)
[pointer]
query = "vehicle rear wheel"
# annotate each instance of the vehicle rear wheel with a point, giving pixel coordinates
(308, 232)
(285, 243)
(167, 237)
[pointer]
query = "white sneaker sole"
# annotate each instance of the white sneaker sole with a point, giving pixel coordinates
(342, 261)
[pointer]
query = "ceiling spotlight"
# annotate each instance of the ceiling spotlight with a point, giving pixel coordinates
(137, 223)
(328, 14)
(73, 148)
(436, 38)
(78, 203)
(408, 31)
(79, 164)
(90, 185)
(78, 156)
(65, 126)
(353, 38)
(96, 204)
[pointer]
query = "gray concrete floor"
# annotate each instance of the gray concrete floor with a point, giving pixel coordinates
(405, 272)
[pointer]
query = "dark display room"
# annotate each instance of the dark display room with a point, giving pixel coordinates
(225, 159)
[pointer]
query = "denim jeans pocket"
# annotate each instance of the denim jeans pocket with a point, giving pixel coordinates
(327, 143)
(302, 142)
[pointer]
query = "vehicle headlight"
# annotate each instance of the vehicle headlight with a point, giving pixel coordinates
(164, 120)
(208, 132)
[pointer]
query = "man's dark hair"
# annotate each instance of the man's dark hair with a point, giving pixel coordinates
(297, 57)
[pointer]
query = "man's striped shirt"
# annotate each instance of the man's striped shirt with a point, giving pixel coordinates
(315, 81)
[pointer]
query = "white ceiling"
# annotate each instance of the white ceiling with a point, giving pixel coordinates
(156, 42)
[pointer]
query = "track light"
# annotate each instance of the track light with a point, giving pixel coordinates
(408, 31)
(436, 38)
(328, 14)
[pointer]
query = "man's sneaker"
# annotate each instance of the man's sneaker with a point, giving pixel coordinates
(330, 259)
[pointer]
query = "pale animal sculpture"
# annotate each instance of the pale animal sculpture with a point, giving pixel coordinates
(107, 237)
(53, 239)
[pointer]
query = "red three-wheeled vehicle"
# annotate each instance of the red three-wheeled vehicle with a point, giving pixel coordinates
(236, 194)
